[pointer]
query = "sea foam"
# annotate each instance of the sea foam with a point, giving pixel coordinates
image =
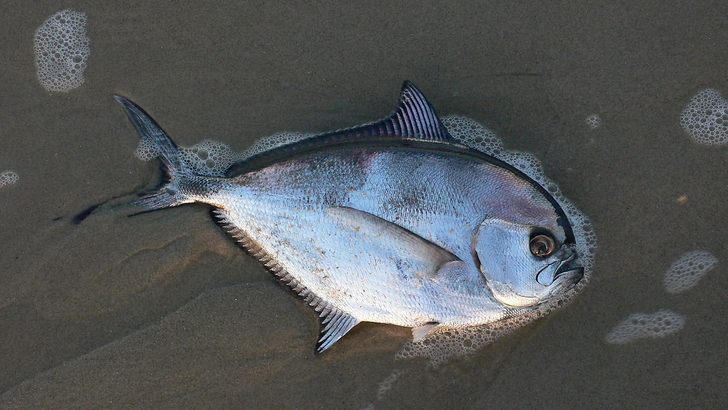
(687, 270)
(705, 118)
(8, 177)
(643, 325)
(62, 50)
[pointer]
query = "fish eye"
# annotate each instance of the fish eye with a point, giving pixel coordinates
(542, 244)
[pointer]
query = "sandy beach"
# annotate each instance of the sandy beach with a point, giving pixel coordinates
(163, 310)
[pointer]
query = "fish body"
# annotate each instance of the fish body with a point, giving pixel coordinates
(390, 222)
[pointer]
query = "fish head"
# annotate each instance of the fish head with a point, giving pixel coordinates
(525, 264)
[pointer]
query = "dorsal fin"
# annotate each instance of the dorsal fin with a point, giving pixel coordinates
(414, 118)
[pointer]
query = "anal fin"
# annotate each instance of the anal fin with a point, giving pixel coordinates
(334, 325)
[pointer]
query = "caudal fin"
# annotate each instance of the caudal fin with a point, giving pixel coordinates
(173, 168)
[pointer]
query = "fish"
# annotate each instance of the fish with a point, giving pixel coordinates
(389, 222)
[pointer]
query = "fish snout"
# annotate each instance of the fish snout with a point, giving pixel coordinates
(559, 266)
(565, 280)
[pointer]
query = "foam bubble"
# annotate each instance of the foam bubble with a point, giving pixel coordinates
(474, 135)
(209, 158)
(687, 270)
(642, 325)
(146, 150)
(8, 177)
(705, 118)
(274, 141)
(61, 50)
(213, 158)
(593, 121)
(447, 343)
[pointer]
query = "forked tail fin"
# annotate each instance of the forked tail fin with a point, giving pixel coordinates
(174, 171)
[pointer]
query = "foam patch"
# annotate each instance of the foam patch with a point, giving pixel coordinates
(274, 141)
(593, 121)
(210, 158)
(8, 177)
(445, 344)
(643, 325)
(687, 270)
(146, 150)
(62, 50)
(207, 158)
(705, 118)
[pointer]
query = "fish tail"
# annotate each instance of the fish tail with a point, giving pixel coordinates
(175, 174)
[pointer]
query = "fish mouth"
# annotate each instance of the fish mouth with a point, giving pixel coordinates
(566, 277)
(566, 274)
(567, 269)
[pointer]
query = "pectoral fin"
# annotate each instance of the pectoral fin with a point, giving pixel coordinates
(421, 332)
(425, 257)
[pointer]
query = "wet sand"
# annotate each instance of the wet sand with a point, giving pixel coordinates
(162, 310)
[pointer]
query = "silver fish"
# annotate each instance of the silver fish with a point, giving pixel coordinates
(390, 222)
